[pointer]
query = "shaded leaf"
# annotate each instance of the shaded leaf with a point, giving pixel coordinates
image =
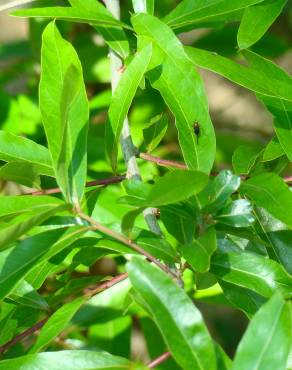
(273, 150)
(244, 158)
(24, 294)
(155, 132)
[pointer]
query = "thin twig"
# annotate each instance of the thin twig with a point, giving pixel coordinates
(162, 162)
(159, 360)
(103, 229)
(23, 335)
(103, 182)
(105, 285)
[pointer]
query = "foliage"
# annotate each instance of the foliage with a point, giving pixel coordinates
(132, 178)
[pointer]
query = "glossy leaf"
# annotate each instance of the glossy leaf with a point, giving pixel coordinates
(69, 360)
(64, 108)
(143, 6)
(24, 294)
(237, 214)
(217, 192)
(198, 253)
(243, 159)
(270, 192)
(251, 271)
(256, 21)
(259, 348)
(179, 321)
(182, 89)
(189, 13)
(20, 149)
(281, 244)
(121, 101)
(56, 324)
(176, 186)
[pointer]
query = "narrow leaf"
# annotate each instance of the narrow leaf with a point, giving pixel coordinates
(259, 348)
(64, 109)
(122, 100)
(23, 173)
(179, 321)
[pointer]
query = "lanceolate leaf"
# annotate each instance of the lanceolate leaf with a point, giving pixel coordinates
(23, 173)
(56, 323)
(256, 20)
(64, 109)
(270, 192)
(267, 341)
(69, 360)
(188, 13)
(20, 149)
(251, 271)
(247, 77)
(182, 89)
(122, 100)
(179, 321)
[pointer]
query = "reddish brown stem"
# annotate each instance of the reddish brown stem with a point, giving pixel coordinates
(162, 162)
(23, 335)
(105, 285)
(103, 182)
(159, 360)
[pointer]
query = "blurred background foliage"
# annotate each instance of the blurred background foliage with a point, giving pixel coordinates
(238, 119)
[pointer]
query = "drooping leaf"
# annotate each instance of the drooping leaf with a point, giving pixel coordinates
(182, 89)
(20, 149)
(122, 100)
(56, 323)
(69, 360)
(249, 78)
(256, 21)
(179, 321)
(198, 253)
(236, 214)
(64, 108)
(176, 186)
(259, 348)
(251, 271)
(269, 191)
(188, 13)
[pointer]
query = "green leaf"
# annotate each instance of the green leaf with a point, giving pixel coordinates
(188, 12)
(65, 111)
(273, 150)
(237, 214)
(69, 360)
(121, 101)
(247, 77)
(182, 89)
(256, 21)
(95, 17)
(270, 327)
(155, 132)
(217, 192)
(251, 271)
(20, 149)
(281, 244)
(179, 321)
(176, 186)
(244, 158)
(23, 173)
(198, 253)
(33, 251)
(24, 294)
(56, 324)
(269, 191)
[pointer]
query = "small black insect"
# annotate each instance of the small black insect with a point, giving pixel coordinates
(197, 129)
